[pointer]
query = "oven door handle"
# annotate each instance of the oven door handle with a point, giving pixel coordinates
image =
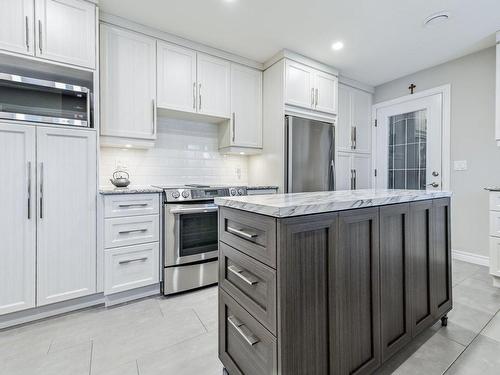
(177, 211)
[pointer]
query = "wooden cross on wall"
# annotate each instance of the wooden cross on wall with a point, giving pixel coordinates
(411, 88)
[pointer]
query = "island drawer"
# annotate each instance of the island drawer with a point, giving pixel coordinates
(131, 204)
(124, 231)
(251, 283)
(245, 346)
(252, 234)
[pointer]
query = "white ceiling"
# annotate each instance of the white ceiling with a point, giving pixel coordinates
(384, 39)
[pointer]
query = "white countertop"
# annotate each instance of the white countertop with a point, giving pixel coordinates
(285, 205)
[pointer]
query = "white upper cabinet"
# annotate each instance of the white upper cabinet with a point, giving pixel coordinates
(214, 76)
(299, 84)
(65, 31)
(16, 26)
(246, 107)
(309, 88)
(325, 92)
(18, 218)
(354, 125)
(128, 84)
(176, 77)
(66, 251)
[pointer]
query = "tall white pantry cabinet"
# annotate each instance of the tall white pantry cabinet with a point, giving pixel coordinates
(48, 219)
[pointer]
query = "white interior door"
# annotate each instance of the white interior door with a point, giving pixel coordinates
(66, 231)
(18, 217)
(409, 144)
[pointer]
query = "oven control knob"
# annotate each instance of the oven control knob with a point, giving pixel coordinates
(185, 194)
(175, 194)
(232, 191)
(240, 191)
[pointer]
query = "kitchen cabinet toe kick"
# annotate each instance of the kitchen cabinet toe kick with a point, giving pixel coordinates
(352, 289)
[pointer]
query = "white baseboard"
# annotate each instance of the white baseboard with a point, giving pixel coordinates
(470, 257)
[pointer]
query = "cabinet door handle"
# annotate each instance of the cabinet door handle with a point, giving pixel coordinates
(234, 126)
(355, 137)
(143, 259)
(27, 33)
(355, 178)
(199, 96)
(239, 327)
(29, 190)
(154, 116)
(128, 205)
(241, 233)
(237, 271)
(312, 97)
(352, 179)
(41, 190)
(194, 95)
(132, 231)
(317, 96)
(40, 36)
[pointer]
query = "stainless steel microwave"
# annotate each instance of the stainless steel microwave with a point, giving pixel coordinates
(36, 100)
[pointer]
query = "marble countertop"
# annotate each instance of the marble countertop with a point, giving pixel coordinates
(131, 189)
(285, 205)
(264, 187)
(492, 188)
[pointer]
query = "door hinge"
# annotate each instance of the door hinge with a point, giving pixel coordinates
(376, 122)
(375, 173)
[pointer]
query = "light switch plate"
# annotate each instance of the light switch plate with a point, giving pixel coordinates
(460, 165)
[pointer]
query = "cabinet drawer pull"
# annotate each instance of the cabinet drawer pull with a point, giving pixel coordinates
(250, 279)
(143, 259)
(241, 233)
(239, 327)
(132, 231)
(128, 205)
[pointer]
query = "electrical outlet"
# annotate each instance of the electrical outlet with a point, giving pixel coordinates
(460, 165)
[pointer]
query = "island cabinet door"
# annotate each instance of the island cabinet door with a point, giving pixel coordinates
(441, 259)
(356, 295)
(421, 249)
(394, 278)
(306, 321)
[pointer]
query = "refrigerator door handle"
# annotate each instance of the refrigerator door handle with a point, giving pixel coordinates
(289, 151)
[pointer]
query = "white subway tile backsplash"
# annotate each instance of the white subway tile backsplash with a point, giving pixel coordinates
(184, 152)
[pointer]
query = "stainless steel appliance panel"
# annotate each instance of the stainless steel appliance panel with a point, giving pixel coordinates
(180, 278)
(190, 233)
(310, 160)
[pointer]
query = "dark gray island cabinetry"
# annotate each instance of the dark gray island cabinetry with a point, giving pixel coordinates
(330, 283)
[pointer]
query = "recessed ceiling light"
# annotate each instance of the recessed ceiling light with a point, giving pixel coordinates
(337, 46)
(437, 18)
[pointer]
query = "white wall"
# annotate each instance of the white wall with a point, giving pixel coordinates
(472, 80)
(185, 152)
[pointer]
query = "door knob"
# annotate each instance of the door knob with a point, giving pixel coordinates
(435, 174)
(434, 185)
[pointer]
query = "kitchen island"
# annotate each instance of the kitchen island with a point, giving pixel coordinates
(330, 282)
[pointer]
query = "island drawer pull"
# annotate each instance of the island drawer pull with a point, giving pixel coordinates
(239, 327)
(250, 280)
(241, 233)
(128, 205)
(132, 231)
(143, 259)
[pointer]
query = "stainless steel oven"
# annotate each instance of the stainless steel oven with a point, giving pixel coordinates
(190, 233)
(190, 236)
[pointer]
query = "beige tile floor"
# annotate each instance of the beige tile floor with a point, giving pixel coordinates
(178, 336)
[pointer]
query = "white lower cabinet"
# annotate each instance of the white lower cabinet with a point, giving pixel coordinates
(131, 267)
(131, 241)
(48, 221)
(66, 250)
(353, 171)
(18, 218)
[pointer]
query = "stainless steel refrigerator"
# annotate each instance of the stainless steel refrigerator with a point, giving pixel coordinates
(310, 155)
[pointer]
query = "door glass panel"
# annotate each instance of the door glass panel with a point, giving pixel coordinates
(407, 149)
(197, 233)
